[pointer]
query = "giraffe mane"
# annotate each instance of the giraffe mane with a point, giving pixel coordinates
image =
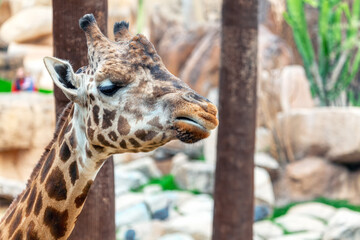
(59, 125)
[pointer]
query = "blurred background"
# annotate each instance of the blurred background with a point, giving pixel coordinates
(307, 159)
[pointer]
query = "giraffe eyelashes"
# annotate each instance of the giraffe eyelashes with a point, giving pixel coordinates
(109, 90)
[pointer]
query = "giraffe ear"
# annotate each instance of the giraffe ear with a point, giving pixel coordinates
(63, 76)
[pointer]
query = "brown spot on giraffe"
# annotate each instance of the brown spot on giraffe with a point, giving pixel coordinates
(16, 221)
(31, 233)
(98, 148)
(73, 172)
(31, 201)
(155, 122)
(56, 186)
(56, 221)
(113, 136)
(8, 219)
(18, 235)
(26, 194)
(104, 142)
(64, 152)
(135, 143)
(123, 126)
(123, 144)
(96, 111)
(108, 117)
(88, 152)
(72, 140)
(145, 135)
(90, 133)
(79, 200)
(38, 204)
(47, 165)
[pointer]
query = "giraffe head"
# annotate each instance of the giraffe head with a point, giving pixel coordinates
(125, 99)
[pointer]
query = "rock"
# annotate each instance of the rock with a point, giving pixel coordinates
(302, 176)
(327, 132)
(134, 214)
(177, 44)
(201, 70)
(199, 203)
(285, 88)
(176, 236)
(313, 209)
(331, 180)
(127, 200)
(29, 117)
(127, 180)
(197, 176)
(344, 225)
(10, 189)
(297, 223)
(263, 187)
(273, 51)
(263, 139)
(144, 165)
(27, 25)
(5, 11)
(267, 162)
(261, 211)
(266, 229)
(198, 225)
(157, 203)
(151, 230)
(18, 5)
(299, 236)
(17, 165)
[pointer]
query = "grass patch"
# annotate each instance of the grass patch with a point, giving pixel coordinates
(166, 182)
(278, 212)
(45, 91)
(5, 85)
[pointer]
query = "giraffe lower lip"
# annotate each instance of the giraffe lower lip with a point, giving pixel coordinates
(191, 122)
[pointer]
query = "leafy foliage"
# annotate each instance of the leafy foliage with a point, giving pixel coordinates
(333, 67)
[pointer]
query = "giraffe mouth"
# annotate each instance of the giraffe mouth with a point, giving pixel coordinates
(190, 121)
(189, 130)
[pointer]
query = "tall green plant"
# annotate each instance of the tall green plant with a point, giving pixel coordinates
(335, 64)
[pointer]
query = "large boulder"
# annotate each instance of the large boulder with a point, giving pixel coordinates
(27, 25)
(201, 70)
(324, 132)
(177, 45)
(282, 90)
(28, 121)
(313, 177)
(197, 176)
(273, 52)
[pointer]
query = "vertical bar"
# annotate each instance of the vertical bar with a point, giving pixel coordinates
(97, 220)
(233, 214)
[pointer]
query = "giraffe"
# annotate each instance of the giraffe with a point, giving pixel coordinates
(124, 100)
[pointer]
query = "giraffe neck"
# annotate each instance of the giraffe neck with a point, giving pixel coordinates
(56, 192)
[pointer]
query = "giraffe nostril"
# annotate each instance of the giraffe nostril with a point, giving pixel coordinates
(194, 98)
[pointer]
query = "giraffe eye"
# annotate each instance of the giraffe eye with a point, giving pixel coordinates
(109, 90)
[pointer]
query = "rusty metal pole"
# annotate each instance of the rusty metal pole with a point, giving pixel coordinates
(97, 220)
(233, 214)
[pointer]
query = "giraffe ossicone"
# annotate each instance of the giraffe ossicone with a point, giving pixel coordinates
(125, 100)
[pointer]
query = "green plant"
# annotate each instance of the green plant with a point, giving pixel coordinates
(337, 61)
(140, 16)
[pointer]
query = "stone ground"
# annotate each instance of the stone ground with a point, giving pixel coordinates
(152, 213)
